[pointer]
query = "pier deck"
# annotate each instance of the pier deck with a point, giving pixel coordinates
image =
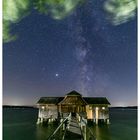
(74, 131)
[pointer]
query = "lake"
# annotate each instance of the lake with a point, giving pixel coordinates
(20, 124)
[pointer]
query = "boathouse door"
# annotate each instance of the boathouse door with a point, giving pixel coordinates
(73, 114)
(73, 102)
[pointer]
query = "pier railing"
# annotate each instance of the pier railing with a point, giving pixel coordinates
(86, 131)
(62, 125)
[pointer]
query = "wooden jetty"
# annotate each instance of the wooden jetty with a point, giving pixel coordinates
(73, 129)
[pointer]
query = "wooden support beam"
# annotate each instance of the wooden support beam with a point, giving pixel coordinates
(97, 114)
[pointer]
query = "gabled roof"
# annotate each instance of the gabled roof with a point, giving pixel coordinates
(74, 93)
(96, 100)
(88, 100)
(73, 100)
(50, 100)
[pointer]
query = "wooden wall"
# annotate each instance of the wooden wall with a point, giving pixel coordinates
(97, 112)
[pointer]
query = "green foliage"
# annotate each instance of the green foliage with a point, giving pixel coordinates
(13, 12)
(120, 11)
(7, 37)
(57, 9)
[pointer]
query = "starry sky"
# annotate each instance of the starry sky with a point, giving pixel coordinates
(82, 52)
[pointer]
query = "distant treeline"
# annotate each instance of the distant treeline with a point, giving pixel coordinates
(20, 107)
(11, 106)
(128, 107)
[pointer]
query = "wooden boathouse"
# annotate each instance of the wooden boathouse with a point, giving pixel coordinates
(93, 109)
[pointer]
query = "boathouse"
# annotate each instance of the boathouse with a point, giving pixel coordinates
(56, 108)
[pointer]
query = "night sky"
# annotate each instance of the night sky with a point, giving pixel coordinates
(82, 52)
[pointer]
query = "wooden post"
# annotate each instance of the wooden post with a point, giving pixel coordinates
(63, 126)
(97, 114)
(108, 121)
(38, 121)
(84, 130)
(79, 118)
(41, 119)
(60, 111)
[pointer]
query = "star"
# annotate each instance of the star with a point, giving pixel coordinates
(56, 74)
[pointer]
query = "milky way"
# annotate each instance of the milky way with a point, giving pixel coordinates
(89, 79)
(84, 51)
(82, 48)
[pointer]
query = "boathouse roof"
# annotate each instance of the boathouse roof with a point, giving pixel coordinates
(70, 98)
(74, 93)
(50, 100)
(96, 100)
(88, 100)
(73, 100)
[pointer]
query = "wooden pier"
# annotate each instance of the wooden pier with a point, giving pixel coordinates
(73, 131)
(74, 128)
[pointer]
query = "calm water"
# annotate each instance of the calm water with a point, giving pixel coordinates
(20, 124)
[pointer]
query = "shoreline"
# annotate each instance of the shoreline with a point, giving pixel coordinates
(35, 107)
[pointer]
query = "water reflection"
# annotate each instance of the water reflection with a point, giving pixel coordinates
(44, 131)
(123, 126)
(102, 132)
